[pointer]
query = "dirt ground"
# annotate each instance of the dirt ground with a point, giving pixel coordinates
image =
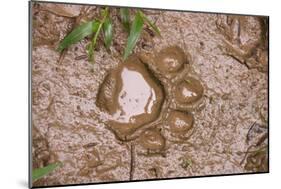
(228, 134)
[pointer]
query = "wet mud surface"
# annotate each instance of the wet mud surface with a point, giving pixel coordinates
(190, 103)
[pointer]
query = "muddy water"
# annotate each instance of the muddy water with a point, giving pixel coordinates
(131, 96)
(193, 102)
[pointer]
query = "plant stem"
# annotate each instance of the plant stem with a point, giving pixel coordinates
(94, 40)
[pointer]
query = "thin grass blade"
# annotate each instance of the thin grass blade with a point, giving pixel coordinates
(108, 32)
(91, 46)
(152, 25)
(134, 35)
(125, 18)
(78, 34)
(41, 172)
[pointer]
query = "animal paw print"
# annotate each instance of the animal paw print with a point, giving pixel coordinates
(149, 93)
(246, 39)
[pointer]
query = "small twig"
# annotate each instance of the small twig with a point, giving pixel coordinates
(90, 145)
(252, 151)
(81, 57)
(132, 162)
(262, 139)
(247, 137)
(241, 162)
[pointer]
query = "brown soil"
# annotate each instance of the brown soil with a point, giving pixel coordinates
(193, 102)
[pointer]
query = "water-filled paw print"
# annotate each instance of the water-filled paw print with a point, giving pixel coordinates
(148, 91)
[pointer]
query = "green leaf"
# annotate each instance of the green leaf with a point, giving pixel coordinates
(108, 30)
(152, 25)
(134, 35)
(95, 26)
(125, 18)
(78, 34)
(41, 172)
